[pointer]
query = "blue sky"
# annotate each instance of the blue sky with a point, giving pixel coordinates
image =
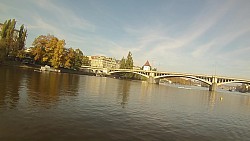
(192, 36)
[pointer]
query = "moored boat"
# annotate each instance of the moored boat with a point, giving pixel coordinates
(48, 68)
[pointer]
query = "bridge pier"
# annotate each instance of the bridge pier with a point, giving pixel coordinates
(213, 87)
(152, 80)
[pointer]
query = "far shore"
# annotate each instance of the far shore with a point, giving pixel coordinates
(37, 67)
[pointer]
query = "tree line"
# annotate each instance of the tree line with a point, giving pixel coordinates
(127, 63)
(12, 41)
(46, 50)
(49, 50)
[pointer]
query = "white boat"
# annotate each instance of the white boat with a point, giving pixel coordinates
(48, 68)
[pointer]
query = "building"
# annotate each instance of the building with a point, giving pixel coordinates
(146, 66)
(136, 68)
(103, 62)
(96, 61)
(109, 63)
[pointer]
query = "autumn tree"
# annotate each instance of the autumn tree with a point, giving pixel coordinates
(38, 51)
(57, 58)
(48, 50)
(69, 58)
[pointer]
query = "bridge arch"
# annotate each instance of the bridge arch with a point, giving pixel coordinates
(185, 76)
(236, 81)
(129, 71)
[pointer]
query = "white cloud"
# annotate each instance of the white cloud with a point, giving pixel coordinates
(65, 15)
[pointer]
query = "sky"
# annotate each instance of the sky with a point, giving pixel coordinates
(189, 36)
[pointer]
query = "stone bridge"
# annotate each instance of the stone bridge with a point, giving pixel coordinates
(155, 76)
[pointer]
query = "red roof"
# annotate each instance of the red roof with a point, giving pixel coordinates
(146, 64)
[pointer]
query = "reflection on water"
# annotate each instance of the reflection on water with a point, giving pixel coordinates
(44, 88)
(57, 106)
(123, 92)
(9, 88)
(212, 99)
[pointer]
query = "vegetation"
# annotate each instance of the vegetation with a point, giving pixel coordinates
(127, 63)
(85, 61)
(123, 63)
(12, 41)
(46, 50)
(50, 50)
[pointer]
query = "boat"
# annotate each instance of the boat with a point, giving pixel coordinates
(48, 68)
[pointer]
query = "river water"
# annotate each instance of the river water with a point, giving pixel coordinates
(55, 106)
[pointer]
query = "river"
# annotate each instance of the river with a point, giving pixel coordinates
(58, 106)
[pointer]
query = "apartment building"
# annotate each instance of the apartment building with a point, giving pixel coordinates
(103, 62)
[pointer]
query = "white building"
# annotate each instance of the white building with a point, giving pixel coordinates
(103, 62)
(146, 66)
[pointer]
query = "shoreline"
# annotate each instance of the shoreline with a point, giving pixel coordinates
(37, 67)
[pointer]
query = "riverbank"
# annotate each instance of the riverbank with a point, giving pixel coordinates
(37, 67)
(20, 65)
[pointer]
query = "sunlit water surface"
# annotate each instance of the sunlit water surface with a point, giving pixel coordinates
(54, 106)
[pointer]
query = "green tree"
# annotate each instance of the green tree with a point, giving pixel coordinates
(78, 59)
(2, 51)
(12, 41)
(129, 62)
(21, 37)
(5, 29)
(7, 35)
(123, 63)
(10, 38)
(85, 61)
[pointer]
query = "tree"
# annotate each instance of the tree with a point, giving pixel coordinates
(123, 63)
(57, 58)
(85, 61)
(2, 51)
(21, 37)
(12, 41)
(129, 62)
(10, 38)
(38, 50)
(5, 29)
(7, 35)
(78, 59)
(48, 50)
(69, 58)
